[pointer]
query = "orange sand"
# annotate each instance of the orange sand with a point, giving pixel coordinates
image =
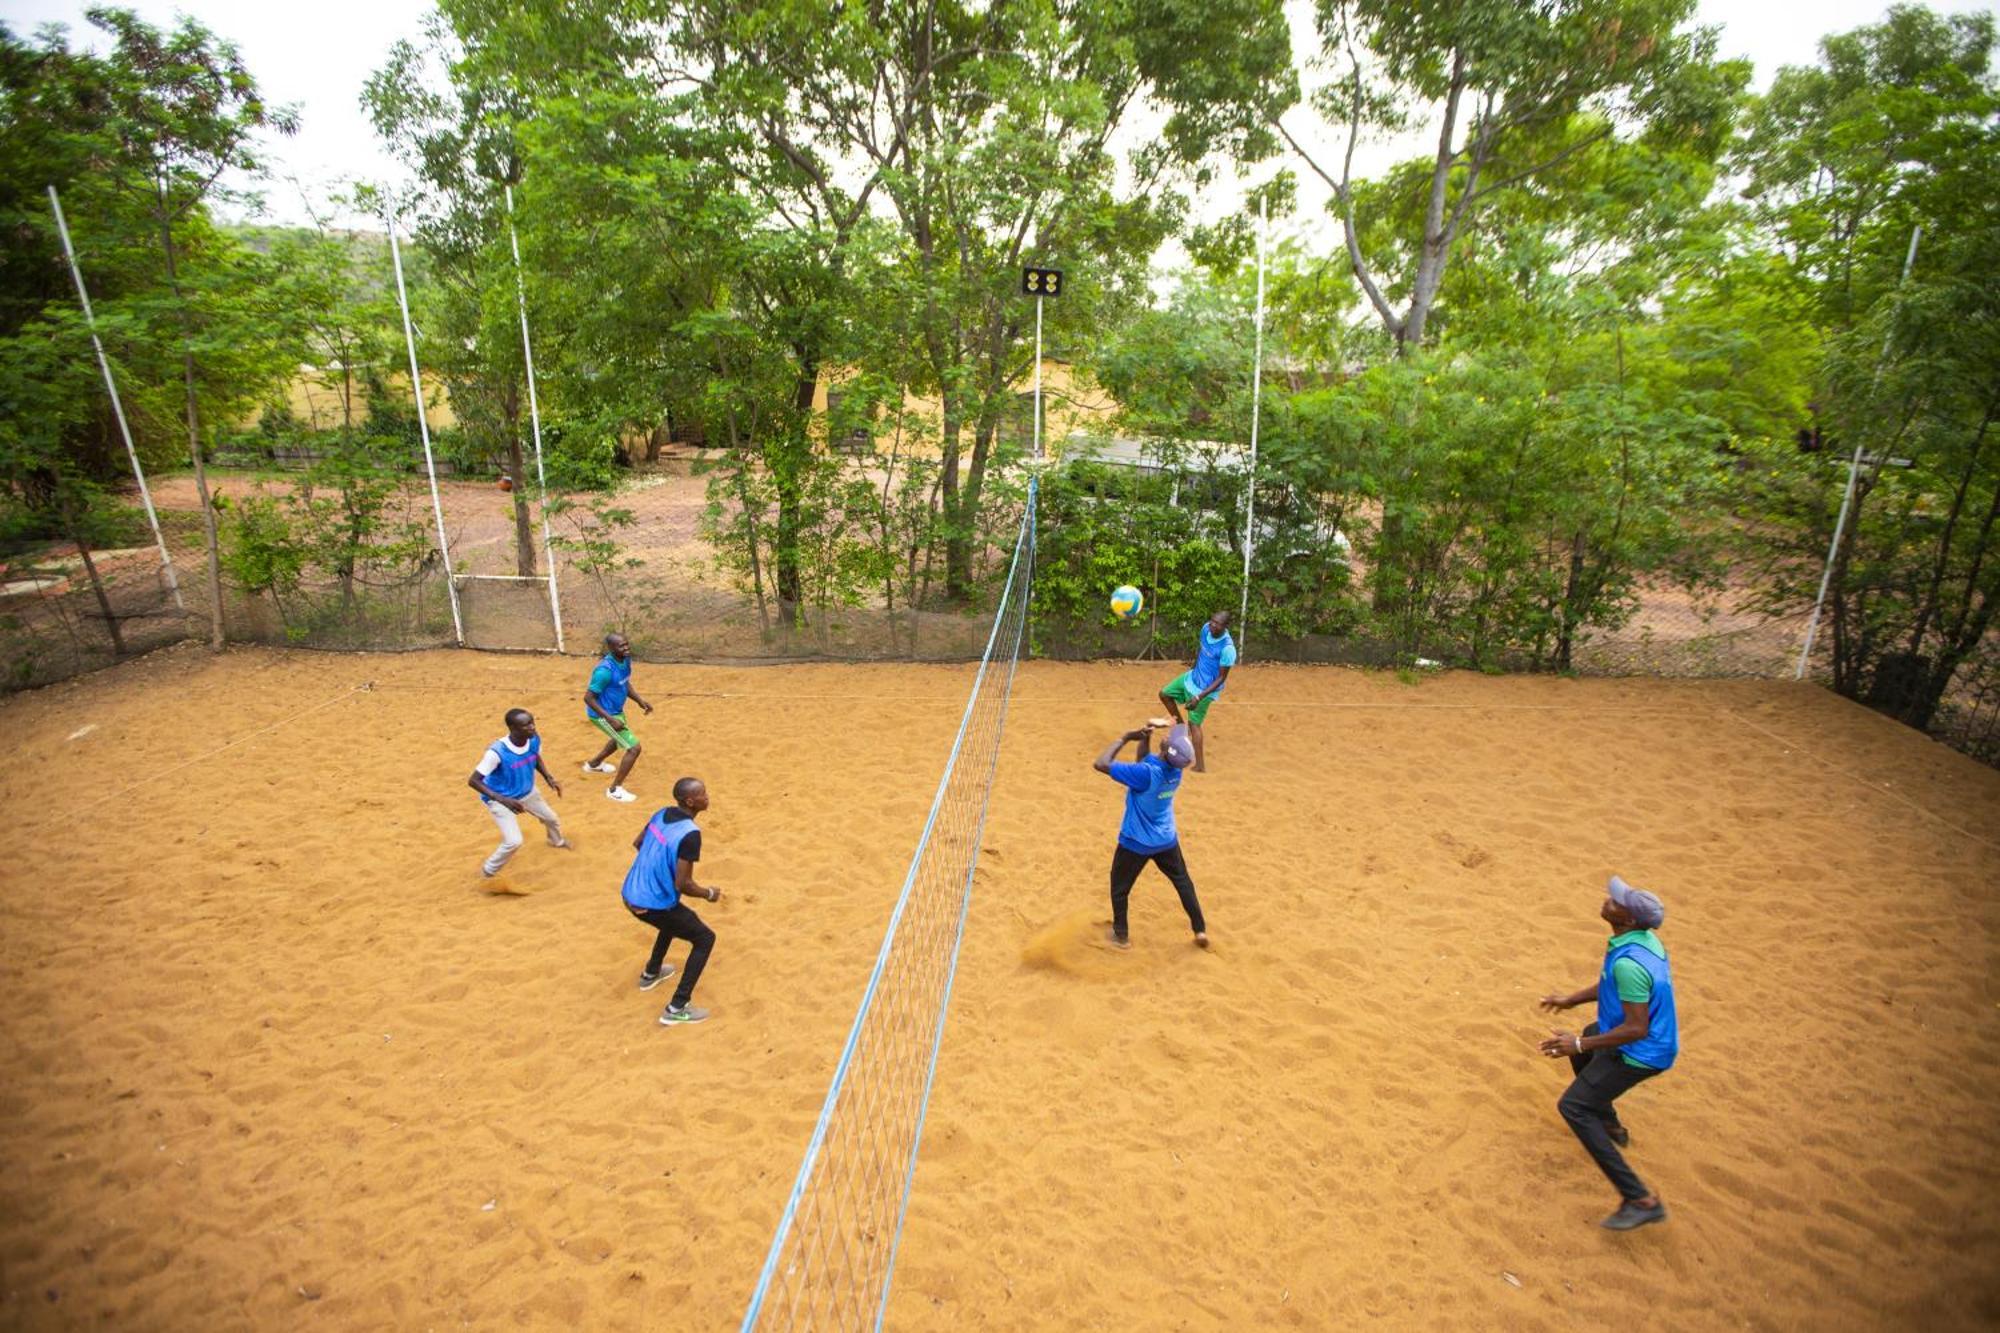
(272, 1049)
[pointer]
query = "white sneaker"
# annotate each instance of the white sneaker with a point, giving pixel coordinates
(598, 768)
(620, 794)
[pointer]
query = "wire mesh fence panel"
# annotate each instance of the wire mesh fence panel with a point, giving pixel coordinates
(834, 1251)
(1675, 633)
(506, 612)
(366, 611)
(54, 623)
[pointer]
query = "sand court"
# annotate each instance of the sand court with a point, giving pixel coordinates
(278, 1057)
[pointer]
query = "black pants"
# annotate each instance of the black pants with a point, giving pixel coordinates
(1125, 867)
(679, 922)
(1586, 1107)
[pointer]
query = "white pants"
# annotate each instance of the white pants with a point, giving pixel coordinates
(510, 828)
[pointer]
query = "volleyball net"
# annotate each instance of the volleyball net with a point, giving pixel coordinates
(834, 1250)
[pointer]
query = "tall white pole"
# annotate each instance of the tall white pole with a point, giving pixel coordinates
(1038, 380)
(424, 429)
(1256, 403)
(117, 407)
(1853, 474)
(535, 416)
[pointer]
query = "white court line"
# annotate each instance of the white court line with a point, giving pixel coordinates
(1879, 789)
(230, 745)
(1235, 705)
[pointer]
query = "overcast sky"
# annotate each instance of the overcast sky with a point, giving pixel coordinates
(301, 57)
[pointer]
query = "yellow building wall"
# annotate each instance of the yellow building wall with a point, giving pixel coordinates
(1070, 403)
(314, 396)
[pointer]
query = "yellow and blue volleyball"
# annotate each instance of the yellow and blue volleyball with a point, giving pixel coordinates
(1126, 603)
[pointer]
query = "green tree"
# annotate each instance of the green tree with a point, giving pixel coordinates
(1515, 91)
(1897, 128)
(184, 109)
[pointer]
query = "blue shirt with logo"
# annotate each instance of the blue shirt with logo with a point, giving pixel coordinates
(670, 838)
(514, 776)
(1216, 653)
(1149, 805)
(609, 682)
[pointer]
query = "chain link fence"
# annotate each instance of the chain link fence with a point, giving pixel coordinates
(667, 593)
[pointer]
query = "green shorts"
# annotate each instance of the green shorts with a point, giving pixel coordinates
(620, 734)
(1183, 693)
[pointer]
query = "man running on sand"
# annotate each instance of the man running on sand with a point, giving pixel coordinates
(661, 875)
(1635, 1037)
(1148, 832)
(505, 781)
(1198, 686)
(604, 704)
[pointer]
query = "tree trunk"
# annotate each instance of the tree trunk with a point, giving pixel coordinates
(96, 582)
(194, 436)
(793, 457)
(949, 491)
(524, 534)
(1566, 630)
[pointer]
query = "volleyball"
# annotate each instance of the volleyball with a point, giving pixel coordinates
(1126, 603)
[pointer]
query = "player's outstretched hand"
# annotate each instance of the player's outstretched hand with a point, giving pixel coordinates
(1554, 1004)
(714, 894)
(1558, 1043)
(555, 786)
(645, 708)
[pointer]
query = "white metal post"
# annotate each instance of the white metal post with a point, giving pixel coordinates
(1853, 475)
(1038, 380)
(1256, 402)
(535, 416)
(424, 430)
(117, 407)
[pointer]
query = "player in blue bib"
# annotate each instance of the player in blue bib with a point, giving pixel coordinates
(1148, 833)
(662, 874)
(604, 705)
(1196, 688)
(505, 781)
(1636, 1036)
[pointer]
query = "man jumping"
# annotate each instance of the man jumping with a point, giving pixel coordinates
(661, 875)
(604, 704)
(1148, 833)
(1636, 1036)
(505, 781)
(1197, 687)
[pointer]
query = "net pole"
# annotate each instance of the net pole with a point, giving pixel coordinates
(1256, 403)
(1038, 380)
(1853, 475)
(424, 430)
(117, 405)
(535, 417)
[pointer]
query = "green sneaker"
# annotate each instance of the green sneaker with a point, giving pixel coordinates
(681, 1013)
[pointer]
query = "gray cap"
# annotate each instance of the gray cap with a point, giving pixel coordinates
(1179, 750)
(1646, 909)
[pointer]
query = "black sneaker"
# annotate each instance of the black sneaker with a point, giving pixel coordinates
(675, 1014)
(1633, 1215)
(648, 980)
